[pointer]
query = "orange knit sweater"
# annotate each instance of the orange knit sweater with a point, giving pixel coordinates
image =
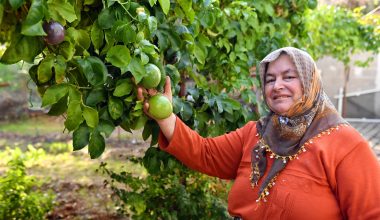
(338, 177)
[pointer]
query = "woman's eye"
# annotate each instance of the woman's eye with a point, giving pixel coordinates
(269, 80)
(290, 77)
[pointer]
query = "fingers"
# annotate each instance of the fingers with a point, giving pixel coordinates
(140, 95)
(168, 86)
(152, 92)
(146, 110)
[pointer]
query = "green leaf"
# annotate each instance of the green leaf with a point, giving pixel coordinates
(74, 115)
(59, 108)
(97, 35)
(59, 69)
(123, 87)
(99, 71)
(22, 48)
(207, 18)
(139, 122)
(67, 50)
(33, 29)
(268, 9)
(63, 8)
(175, 40)
(152, 24)
(165, 5)
(54, 93)
(199, 54)
(124, 32)
(91, 116)
(186, 111)
(147, 47)
(185, 4)
(119, 56)
(147, 131)
(152, 2)
(106, 19)
(137, 69)
(74, 94)
(79, 37)
(163, 41)
(95, 96)
(32, 26)
(15, 4)
(81, 137)
(45, 69)
(97, 144)
(106, 127)
(94, 70)
(115, 108)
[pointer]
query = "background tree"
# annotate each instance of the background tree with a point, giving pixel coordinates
(340, 33)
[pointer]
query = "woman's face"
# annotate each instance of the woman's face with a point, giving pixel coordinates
(282, 85)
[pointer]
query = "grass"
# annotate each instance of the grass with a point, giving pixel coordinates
(72, 175)
(33, 126)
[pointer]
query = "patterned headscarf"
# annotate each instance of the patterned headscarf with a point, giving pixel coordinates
(283, 138)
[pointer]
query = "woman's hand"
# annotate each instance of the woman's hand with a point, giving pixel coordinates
(151, 92)
(167, 125)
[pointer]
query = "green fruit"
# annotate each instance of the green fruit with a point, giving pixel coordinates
(160, 107)
(312, 4)
(152, 77)
(295, 19)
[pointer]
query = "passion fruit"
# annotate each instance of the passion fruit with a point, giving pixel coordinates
(55, 32)
(152, 77)
(312, 4)
(160, 106)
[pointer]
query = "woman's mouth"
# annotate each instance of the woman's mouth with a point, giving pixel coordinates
(279, 97)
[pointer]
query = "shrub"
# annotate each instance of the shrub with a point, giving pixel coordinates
(168, 191)
(20, 193)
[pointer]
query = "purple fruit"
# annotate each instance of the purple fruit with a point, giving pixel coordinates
(55, 32)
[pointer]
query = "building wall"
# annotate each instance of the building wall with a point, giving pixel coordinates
(361, 79)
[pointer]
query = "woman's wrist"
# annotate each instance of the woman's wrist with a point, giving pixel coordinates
(167, 126)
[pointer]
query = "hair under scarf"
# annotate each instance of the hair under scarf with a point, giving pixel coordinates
(282, 137)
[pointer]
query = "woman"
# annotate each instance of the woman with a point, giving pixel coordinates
(301, 161)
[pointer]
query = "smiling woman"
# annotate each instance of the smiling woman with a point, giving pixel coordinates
(301, 161)
(282, 85)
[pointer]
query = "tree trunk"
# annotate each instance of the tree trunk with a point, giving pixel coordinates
(345, 85)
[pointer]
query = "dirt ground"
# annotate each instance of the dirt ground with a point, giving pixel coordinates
(76, 200)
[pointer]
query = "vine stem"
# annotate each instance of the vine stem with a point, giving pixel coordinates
(81, 87)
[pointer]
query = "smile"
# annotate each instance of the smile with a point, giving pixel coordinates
(280, 97)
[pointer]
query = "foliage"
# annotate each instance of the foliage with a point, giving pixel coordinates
(169, 192)
(20, 194)
(341, 32)
(91, 76)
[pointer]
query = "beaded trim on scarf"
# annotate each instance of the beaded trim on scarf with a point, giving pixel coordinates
(255, 169)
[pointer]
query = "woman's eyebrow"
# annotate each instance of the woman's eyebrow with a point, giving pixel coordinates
(290, 70)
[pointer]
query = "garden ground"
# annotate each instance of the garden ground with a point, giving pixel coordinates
(81, 192)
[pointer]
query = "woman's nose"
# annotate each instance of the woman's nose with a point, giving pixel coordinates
(278, 84)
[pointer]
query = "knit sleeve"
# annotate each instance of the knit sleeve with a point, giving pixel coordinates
(219, 156)
(358, 184)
